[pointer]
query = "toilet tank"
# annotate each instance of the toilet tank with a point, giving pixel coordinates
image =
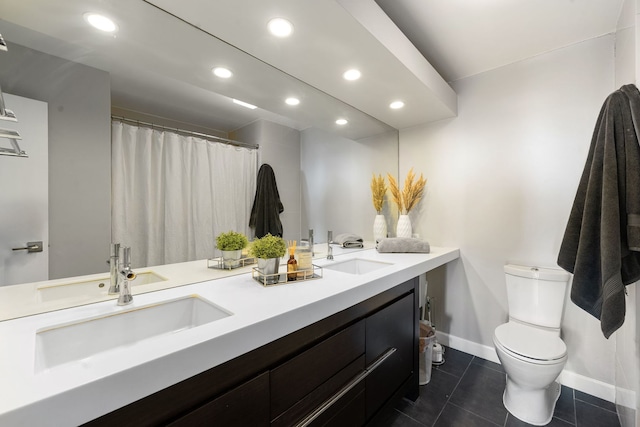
(536, 295)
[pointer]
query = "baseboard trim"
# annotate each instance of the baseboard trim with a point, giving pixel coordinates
(470, 347)
(570, 379)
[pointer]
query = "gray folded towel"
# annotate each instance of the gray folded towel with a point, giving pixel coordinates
(403, 245)
(348, 240)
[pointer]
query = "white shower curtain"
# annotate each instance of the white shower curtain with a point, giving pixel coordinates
(173, 194)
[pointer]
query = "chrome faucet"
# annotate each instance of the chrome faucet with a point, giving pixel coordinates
(126, 275)
(114, 261)
(329, 248)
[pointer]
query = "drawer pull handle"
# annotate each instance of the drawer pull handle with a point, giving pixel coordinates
(344, 390)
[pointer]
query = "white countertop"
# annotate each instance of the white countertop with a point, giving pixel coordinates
(24, 299)
(74, 393)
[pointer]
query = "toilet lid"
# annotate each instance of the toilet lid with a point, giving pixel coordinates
(530, 342)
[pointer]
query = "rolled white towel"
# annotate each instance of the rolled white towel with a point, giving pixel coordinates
(348, 240)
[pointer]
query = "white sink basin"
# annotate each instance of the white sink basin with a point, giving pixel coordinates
(91, 288)
(357, 266)
(83, 339)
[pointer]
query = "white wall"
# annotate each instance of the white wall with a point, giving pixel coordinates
(625, 53)
(79, 154)
(336, 176)
(502, 178)
(280, 148)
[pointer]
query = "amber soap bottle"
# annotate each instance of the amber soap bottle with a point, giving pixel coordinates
(292, 264)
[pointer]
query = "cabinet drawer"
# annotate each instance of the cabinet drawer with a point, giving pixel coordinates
(391, 327)
(347, 412)
(323, 393)
(245, 405)
(296, 378)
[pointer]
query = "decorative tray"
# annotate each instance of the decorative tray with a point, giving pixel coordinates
(281, 278)
(229, 264)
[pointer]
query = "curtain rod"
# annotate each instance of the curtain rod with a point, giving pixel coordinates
(189, 133)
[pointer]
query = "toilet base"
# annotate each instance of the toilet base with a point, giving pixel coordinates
(533, 406)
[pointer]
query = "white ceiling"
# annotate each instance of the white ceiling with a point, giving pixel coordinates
(465, 37)
(161, 58)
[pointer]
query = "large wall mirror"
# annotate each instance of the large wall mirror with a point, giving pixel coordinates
(157, 68)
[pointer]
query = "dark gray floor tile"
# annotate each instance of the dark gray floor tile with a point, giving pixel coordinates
(467, 392)
(565, 407)
(455, 362)
(433, 397)
(454, 416)
(488, 364)
(555, 422)
(593, 416)
(595, 401)
(398, 419)
(480, 391)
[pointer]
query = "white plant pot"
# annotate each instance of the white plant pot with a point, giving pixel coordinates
(268, 266)
(404, 226)
(231, 258)
(379, 228)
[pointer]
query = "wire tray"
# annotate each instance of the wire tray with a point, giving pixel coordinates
(281, 278)
(229, 264)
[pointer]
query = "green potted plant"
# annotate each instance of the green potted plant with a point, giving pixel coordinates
(268, 250)
(231, 244)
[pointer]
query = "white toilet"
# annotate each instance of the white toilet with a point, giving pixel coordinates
(529, 345)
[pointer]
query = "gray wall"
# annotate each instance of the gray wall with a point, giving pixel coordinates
(280, 148)
(502, 179)
(79, 154)
(336, 182)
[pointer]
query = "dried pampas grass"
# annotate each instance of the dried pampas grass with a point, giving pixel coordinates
(410, 195)
(395, 192)
(378, 190)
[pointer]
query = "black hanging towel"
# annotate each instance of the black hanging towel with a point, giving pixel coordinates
(267, 207)
(602, 241)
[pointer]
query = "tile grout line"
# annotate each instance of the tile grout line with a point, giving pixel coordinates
(595, 406)
(575, 410)
(453, 391)
(410, 417)
(477, 415)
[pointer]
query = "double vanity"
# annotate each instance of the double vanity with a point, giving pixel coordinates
(223, 348)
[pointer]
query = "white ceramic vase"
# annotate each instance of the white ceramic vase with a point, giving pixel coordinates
(379, 228)
(404, 226)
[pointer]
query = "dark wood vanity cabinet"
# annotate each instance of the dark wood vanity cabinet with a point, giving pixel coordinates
(390, 328)
(245, 405)
(344, 370)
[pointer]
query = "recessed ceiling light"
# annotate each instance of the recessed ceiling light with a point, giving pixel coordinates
(341, 122)
(244, 104)
(100, 22)
(222, 72)
(352, 74)
(292, 101)
(396, 104)
(280, 27)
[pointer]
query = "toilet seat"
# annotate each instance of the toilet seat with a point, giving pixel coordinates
(530, 344)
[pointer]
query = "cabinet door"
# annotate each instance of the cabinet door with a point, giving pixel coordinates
(245, 405)
(391, 327)
(295, 379)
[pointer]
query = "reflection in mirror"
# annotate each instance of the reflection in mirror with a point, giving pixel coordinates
(64, 81)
